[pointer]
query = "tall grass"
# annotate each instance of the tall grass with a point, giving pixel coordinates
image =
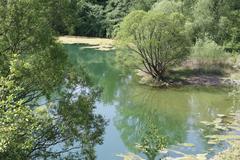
(208, 55)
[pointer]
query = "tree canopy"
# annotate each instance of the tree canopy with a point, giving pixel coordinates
(159, 39)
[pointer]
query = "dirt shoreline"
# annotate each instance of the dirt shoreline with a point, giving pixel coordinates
(194, 80)
(104, 44)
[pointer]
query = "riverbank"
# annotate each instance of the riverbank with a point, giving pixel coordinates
(103, 44)
(194, 77)
(193, 80)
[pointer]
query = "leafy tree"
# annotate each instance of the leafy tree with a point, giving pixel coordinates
(232, 31)
(219, 20)
(167, 6)
(28, 42)
(62, 15)
(159, 40)
(145, 5)
(90, 20)
(203, 17)
(115, 11)
(188, 7)
(39, 105)
(31, 133)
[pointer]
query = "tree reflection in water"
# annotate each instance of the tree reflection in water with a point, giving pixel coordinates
(176, 113)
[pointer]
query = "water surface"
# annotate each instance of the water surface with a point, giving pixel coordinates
(130, 108)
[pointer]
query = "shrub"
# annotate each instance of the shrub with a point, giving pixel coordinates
(207, 54)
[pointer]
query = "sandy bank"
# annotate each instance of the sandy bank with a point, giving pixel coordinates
(98, 43)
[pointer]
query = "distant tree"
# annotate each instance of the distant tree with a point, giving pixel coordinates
(219, 20)
(188, 6)
(159, 39)
(145, 5)
(62, 15)
(115, 11)
(167, 6)
(203, 18)
(90, 20)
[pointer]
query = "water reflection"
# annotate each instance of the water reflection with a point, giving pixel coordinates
(78, 129)
(99, 65)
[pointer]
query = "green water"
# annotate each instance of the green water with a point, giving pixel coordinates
(130, 108)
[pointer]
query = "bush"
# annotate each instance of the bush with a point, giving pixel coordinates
(208, 54)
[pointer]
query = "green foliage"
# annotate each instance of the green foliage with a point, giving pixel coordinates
(145, 5)
(167, 6)
(39, 106)
(203, 16)
(35, 69)
(209, 55)
(61, 15)
(27, 45)
(159, 39)
(31, 133)
(188, 7)
(116, 10)
(218, 19)
(129, 26)
(90, 17)
(152, 143)
(90, 20)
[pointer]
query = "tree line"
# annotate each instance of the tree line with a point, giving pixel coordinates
(218, 19)
(97, 18)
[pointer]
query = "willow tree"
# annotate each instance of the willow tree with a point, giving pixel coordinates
(159, 40)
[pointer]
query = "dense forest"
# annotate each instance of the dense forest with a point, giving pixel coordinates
(46, 102)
